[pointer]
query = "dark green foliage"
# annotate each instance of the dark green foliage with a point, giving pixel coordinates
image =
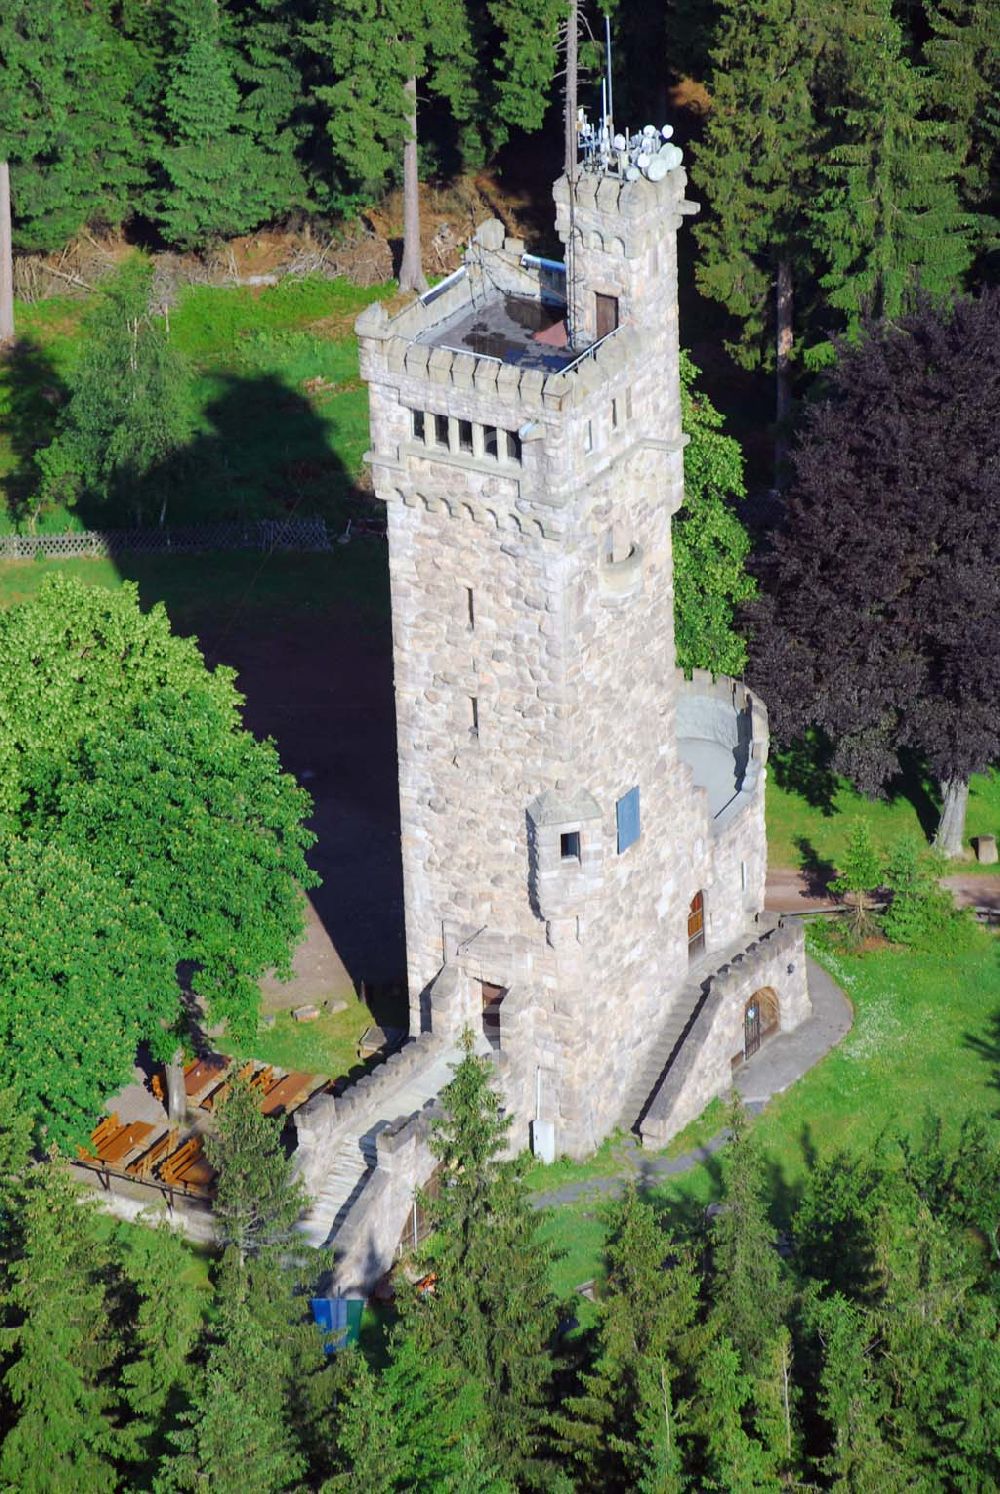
(491, 1313)
(963, 82)
(921, 914)
(64, 118)
(854, 1402)
(887, 220)
(126, 415)
(732, 1458)
(524, 62)
(710, 544)
(256, 1202)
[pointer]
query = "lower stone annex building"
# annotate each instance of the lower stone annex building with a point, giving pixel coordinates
(582, 828)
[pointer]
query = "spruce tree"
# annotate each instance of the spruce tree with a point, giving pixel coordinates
(854, 1402)
(731, 1457)
(749, 1291)
(963, 82)
(756, 168)
(710, 544)
(921, 913)
(379, 52)
(860, 874)
(61, 1433)
(887, 220)
(257, 1200)
(491, 1312)
(628, 1422)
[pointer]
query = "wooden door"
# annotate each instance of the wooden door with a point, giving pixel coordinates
(606, 314)
(751, 1027)
(696, 926)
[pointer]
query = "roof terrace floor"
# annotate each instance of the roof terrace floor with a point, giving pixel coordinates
(513, 329)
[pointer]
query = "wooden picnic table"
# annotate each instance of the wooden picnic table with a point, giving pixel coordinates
(124, 1141)
(204, 1072)
(287, 1093)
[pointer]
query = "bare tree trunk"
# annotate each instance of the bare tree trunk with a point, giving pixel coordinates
(950, 836)
(411, 271)
(572, 68)
(6, 261)
(176, 1098)
(783, 366)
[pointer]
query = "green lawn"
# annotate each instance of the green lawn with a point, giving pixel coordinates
(926, 1037)
(809, 824)
(327, 1046)
(279, 415)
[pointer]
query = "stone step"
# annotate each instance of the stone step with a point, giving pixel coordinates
(658, 1057)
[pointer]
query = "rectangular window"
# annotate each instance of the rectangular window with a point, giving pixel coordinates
(418, 424)
(470, 603)
(465, 435)
(627, 816)
(490, 441)
(588, 436)
(441, 429)
(606, 314)
(614, 414)
(474, 704)
(569, 845)
(513, 446)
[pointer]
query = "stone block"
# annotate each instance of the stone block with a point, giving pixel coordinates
(986, 849)
(307, 1013)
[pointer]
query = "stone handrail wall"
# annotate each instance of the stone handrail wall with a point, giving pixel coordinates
(712, 707)
(189, 539)
(702, 1069)
(325, 1122)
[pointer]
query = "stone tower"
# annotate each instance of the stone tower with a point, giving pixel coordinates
(581, 828)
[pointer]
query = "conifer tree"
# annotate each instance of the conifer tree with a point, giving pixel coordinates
(921, 912)
(860, 874)
(379, 53)
(61, 1432)
(491, 1312)
(269, 63)
(749, 1292)
(887, 219)
(710, 544)
(963, 61)
(628, 1423)
(731, 1457)
(854, 1400)
(257, 1200)
(756, 168)
(524, 63)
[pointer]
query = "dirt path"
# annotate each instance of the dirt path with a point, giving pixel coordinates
(791, 891)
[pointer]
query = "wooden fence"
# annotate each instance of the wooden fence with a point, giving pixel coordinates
(192, 539)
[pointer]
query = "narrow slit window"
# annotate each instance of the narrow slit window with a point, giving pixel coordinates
(441, 429)
(588, 436)
(465, 435)
(513, 446)
(569, 845)
(474, 714)
(490, 441)
(470, 603)
(614, 414)
(627, 819)
(419, 429)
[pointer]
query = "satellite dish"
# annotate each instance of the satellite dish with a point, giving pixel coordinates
(620, 143)
(667, 131)
(642, 160)
(649, 129)
(657, 169)
(671, 155)
(632, 174)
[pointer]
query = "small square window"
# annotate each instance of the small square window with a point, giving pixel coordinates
(588, 436)
(569, 845)
(627, 816)
(441, 429)
(490, 441)
(465, 435)
(513, 446)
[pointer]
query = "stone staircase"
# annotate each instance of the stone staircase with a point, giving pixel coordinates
(355, 1161)
(661, 1053)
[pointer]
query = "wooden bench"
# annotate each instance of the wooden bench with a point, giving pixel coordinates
(204, 1071)
(287, 1093)
(188, 1167)
(99, 1137)
(125, 1141)
(221, 1091)
(142, 1166)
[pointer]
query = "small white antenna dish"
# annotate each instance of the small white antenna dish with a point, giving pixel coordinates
(667, 132)
(657, 169)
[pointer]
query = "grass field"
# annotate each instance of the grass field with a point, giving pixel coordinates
(279, 417)
(327, 1046)
(926, 1037)
(808, 824)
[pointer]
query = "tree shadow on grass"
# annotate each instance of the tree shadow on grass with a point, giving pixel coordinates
(804, 768)
(911, 784)
(34, 392)
(817, 870)
(988, 1049)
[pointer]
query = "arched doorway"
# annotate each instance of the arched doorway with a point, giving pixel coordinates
(760, 1019)
(696, 926)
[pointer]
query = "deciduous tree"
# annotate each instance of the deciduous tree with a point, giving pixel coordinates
(881, 590)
